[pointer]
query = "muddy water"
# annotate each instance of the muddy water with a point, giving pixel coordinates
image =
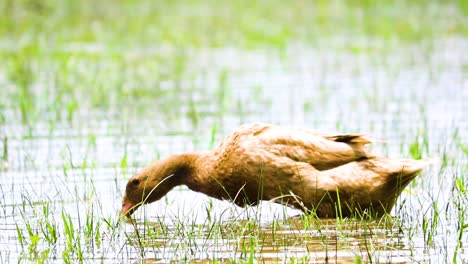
(78, 169)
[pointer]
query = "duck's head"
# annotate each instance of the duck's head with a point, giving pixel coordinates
(152, 183)
(142, 188)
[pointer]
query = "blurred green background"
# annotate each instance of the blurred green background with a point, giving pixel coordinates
(62, 56)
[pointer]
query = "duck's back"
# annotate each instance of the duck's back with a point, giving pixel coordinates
(323, 151)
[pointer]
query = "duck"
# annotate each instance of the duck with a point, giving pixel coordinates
(329, 175)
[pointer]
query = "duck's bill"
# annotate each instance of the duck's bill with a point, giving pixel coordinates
(127, 209)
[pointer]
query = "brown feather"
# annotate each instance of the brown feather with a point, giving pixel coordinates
(305, 169)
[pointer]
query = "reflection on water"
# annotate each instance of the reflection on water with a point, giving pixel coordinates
(78, 170)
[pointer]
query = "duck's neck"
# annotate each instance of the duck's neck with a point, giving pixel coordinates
(170, 172)
(186, 168)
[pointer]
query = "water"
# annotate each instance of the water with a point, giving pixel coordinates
(78, 169)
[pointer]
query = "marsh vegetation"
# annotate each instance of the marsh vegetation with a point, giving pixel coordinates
(91, 91)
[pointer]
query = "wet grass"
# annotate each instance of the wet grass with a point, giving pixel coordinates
(92, 91)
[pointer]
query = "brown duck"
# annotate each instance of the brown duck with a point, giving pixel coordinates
(329, 175)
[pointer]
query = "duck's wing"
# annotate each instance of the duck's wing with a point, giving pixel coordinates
(323, 151)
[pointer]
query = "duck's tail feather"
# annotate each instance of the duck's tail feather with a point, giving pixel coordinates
(403, 170)
(351, 138)
(357, 141)
(411, 168)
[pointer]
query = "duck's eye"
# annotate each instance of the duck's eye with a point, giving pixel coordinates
(135, 182)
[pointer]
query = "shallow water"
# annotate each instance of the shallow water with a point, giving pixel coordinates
(77, 170)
